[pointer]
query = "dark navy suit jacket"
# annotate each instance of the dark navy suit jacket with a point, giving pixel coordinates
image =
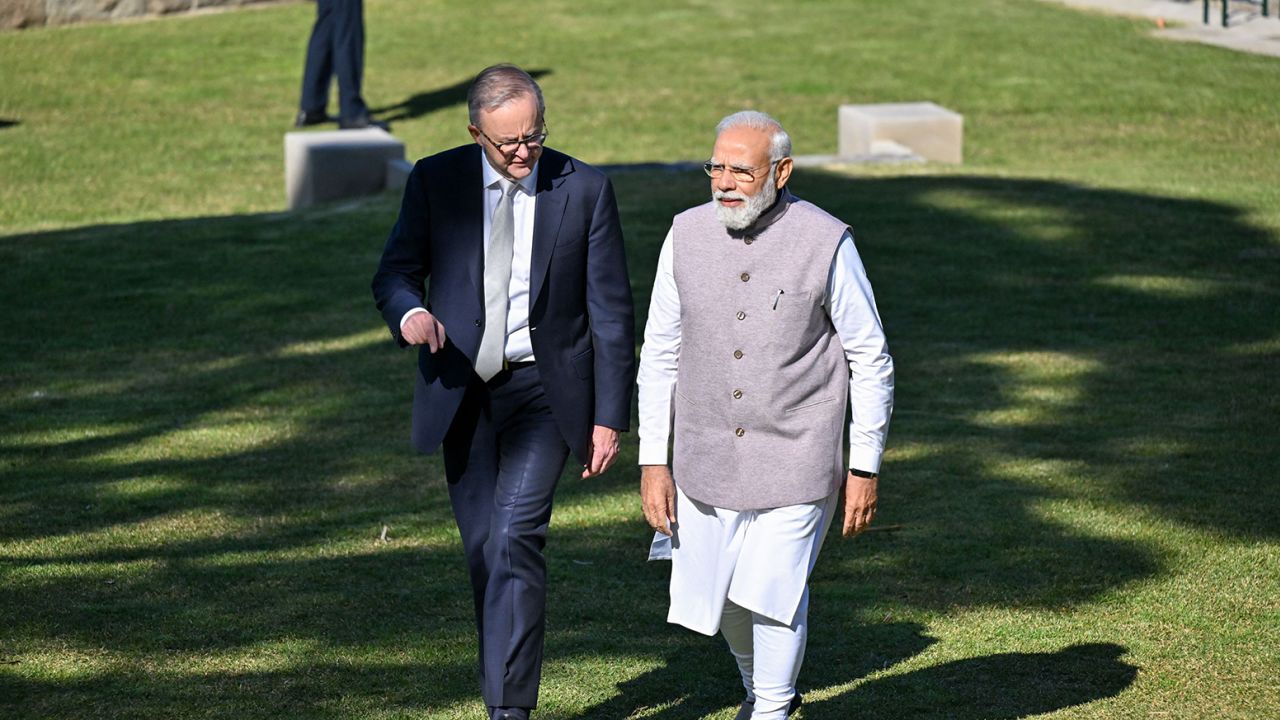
(581, 320)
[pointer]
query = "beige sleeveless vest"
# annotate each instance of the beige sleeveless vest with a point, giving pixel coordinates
(762, 382)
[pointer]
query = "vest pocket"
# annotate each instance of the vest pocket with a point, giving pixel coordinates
(810, 405)
(685, 398)
(788, 303)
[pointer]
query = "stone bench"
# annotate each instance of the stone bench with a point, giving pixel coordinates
(337, 164)
(927, 130)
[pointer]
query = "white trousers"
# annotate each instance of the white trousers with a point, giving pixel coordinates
(745, 574)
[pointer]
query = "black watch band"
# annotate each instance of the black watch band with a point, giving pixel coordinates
(863, 474)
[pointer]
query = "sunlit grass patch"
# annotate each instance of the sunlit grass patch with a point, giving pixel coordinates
(1163, 286)
(209, 506)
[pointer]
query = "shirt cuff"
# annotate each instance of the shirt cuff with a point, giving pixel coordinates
(653, 452)
(864, 459)
(410, 314)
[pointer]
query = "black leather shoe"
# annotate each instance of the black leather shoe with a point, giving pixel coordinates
(360, 122)
(510, 714)
(311, 117)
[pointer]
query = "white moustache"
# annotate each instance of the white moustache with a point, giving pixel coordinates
(722, 195)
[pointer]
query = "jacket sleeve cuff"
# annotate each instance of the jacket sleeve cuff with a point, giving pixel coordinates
(410, 314)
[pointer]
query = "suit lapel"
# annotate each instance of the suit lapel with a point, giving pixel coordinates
(553, 170)
(469, 216)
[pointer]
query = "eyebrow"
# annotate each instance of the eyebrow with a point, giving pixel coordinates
(732, 166)
(516, 139)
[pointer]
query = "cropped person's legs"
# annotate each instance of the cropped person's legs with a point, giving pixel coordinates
(318, 71)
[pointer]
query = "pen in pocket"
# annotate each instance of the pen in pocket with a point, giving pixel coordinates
(775, 299)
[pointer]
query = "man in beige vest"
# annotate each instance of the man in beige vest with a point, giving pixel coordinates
(762, 328)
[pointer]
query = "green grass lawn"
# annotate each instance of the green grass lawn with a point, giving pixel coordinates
(204, 428)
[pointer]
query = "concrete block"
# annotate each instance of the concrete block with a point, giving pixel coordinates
(930, 131)
(21, 13)
(324, 166)
(398, 173)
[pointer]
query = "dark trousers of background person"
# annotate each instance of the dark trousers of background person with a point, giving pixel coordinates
(503, 457)
(336, 48)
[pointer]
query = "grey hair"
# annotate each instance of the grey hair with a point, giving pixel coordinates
(498, 85)
(779, 140)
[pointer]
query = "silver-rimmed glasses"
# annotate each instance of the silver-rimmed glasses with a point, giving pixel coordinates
(741, 174)
(509, 147)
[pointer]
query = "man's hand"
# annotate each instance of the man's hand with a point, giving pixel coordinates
(859, 503)
(604, 450)
(423, 329)
(658, 497)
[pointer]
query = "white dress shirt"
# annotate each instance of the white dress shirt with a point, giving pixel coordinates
(519, 347)
(852, 309)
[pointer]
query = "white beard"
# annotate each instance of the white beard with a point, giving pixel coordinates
(745, 215)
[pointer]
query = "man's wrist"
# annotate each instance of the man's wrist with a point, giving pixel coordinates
(863, 474)
(405, 318)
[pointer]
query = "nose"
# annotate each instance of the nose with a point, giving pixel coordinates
(725, 182)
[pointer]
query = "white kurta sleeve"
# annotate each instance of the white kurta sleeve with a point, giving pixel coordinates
(852, 308)
(658, 360)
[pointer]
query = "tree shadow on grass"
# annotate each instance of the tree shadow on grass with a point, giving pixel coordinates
(993, 687)
(697, 675)
(425, 103)
(230, 418)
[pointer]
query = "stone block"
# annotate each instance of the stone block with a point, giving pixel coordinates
(928, 130)
(324, 166)
(62, 12)
(165, 7)
(398, 173)
(16, 14)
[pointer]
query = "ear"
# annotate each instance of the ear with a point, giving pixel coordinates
(784, 172)
(475, 133)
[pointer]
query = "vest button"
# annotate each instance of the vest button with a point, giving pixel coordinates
(739, 432)
(737, 394)
(748, 240)
(742, 315)
(737, 354)
(745, 276)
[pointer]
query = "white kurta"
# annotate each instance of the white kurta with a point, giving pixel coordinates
(758, 559)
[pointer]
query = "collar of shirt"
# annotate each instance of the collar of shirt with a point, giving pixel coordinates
(492, 176)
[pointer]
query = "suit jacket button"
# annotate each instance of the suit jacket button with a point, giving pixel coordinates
(479, 323)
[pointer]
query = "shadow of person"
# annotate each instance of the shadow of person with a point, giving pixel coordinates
(1008, 685)
(699, 676)
(7, 123)
(424, 103)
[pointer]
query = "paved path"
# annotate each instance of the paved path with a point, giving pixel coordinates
(1184, 20)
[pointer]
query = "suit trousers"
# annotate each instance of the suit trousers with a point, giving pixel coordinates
(336, 48)
(503, 456)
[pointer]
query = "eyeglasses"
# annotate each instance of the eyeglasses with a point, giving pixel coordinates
(741, 174)
(509, 148)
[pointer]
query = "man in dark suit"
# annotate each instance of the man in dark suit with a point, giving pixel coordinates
(528, 350)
